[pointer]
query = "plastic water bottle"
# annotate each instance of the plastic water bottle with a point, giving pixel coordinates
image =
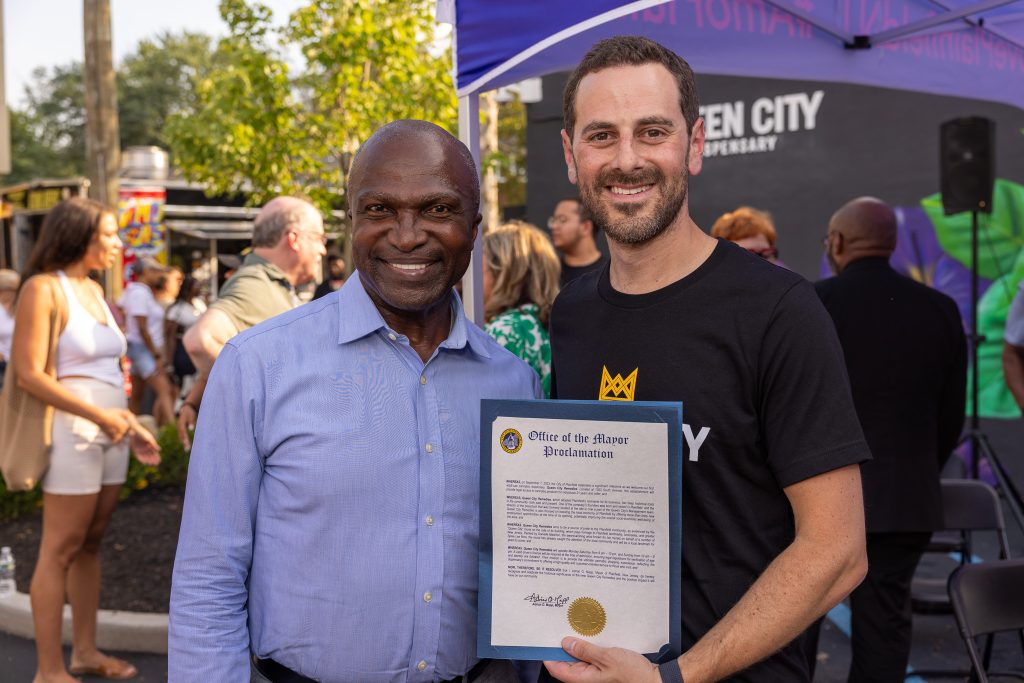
(6, 573)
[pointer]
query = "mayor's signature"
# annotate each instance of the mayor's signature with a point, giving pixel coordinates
(546, 600)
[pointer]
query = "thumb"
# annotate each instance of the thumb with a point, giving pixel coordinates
(584, 650)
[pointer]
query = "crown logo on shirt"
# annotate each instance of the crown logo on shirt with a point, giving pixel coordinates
(615, 388)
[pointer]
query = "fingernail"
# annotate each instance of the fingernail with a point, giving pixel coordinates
(570, 645)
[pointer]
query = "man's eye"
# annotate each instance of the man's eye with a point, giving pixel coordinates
(439, 210)
(654, 133)
(375, 208)
(603, 136)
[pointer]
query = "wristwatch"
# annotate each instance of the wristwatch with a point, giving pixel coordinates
(670, 671)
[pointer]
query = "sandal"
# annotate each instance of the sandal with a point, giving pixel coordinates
(112, 668)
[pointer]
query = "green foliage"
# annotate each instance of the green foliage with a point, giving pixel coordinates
(172, 471)
(48, 133)
(260, 127)
(157, 81)
(509, 162)
(1000, 259)
(248, 128)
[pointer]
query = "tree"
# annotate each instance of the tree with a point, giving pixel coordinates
(157, 81)
(31, 158)
(48, 133)
(260, 127)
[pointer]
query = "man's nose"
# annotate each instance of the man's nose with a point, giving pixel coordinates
(626, 156)
(407, 234)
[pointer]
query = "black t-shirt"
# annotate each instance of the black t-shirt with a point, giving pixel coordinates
(570, 273)
(752, 354)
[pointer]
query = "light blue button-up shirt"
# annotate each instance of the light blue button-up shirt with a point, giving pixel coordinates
(332, 509)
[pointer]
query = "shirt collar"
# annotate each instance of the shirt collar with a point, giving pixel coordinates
(359, 317)
(273, 272)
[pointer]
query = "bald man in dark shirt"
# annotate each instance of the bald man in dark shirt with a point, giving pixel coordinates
(906, 355)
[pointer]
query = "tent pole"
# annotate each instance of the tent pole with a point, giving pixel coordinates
(473, 280)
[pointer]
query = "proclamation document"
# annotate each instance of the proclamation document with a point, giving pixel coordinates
(580, 526)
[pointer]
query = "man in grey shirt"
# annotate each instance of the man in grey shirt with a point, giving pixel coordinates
(288, 242)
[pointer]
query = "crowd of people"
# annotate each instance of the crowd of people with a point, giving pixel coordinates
(334, 440)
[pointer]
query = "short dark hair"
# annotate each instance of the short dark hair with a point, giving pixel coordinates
(581, 207)
(632, 51)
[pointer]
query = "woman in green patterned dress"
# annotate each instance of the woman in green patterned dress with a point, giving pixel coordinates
(521, 275)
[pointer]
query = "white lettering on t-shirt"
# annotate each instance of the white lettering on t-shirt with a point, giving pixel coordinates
(693, 443)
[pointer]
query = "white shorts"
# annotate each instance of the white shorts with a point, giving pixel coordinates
(83, 458)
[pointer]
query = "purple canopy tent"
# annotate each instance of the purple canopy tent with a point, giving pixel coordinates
(963, 48)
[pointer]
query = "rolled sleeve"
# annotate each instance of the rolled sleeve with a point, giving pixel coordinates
(208, 635)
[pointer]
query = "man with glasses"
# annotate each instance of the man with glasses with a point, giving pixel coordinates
(572, 233)
(906, 355)
(288, 242)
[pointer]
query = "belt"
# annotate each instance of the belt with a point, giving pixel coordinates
(471, 675)
(279, 673)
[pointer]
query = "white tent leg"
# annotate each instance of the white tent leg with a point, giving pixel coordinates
(473, 280)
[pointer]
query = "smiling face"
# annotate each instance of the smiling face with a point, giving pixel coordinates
(105, 244)
(631, 153)
(414, 219)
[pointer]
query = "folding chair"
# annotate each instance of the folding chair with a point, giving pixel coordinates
(968, 506)
(988, 598)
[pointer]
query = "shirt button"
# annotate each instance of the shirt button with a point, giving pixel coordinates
(392, 337)
(423, 379)
(430, 520)
(427, 597)
(421, 666)
(429, 448)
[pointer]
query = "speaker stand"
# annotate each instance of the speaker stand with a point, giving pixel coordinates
(980, 445)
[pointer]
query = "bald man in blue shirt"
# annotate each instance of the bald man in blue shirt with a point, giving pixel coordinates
(331, 516)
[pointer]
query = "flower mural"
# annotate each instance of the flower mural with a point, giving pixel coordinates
(935, 249)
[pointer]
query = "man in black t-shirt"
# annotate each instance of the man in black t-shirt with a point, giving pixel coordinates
(572, 234)
(773, 522)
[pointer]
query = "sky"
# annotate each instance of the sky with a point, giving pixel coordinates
(49, 32)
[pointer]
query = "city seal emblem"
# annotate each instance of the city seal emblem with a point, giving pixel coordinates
(511, 441)
(586, 616)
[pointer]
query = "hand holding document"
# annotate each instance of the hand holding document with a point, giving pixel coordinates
(580, 526)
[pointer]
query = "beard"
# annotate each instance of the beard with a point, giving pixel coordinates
(636, 223)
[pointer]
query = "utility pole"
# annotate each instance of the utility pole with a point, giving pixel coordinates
(102, 147)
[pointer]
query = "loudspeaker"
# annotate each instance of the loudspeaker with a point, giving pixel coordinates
(967, 164)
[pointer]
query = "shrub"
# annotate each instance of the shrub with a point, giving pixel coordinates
(171, 472)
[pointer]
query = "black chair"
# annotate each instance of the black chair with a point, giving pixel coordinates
(988, 598)
(968, 506)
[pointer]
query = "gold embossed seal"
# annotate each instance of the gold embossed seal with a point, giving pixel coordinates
(586, 616)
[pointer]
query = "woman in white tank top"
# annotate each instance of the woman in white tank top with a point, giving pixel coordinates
(91, 427)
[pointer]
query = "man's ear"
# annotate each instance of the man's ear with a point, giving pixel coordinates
(570, 161)
(696, 161)
(293, 238)
(588, 227)
(475, 228)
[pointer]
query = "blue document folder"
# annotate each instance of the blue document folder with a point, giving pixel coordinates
(492, 445)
